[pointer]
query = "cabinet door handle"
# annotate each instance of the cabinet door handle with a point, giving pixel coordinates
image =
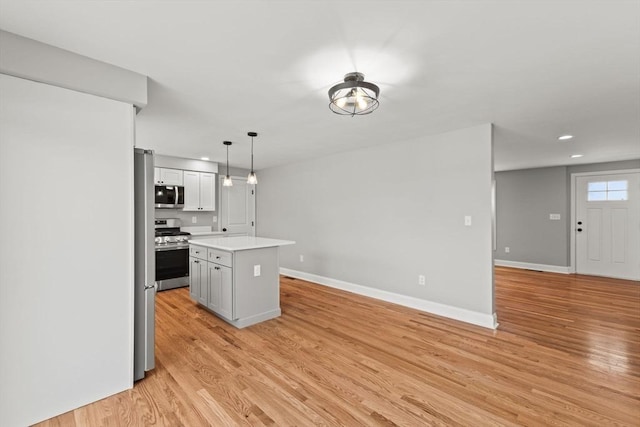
(217, 257)
(217, 268)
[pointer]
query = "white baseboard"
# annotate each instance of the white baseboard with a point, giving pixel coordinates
(481, 319)
(531, 266)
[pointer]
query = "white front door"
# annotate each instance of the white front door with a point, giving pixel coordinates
(238, 207)
(608, 225)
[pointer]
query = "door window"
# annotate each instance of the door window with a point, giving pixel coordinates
(602, 191)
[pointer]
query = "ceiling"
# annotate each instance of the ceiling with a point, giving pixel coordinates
(218, 69)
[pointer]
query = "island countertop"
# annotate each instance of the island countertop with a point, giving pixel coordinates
(240, 243)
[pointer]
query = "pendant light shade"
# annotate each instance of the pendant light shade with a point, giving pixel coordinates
(227, 181)
(252, 178)
(354, 97)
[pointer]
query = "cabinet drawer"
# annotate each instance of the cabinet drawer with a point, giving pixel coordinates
(198, 252)
(220, 257)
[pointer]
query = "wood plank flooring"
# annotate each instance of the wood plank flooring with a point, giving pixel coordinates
(566, 353)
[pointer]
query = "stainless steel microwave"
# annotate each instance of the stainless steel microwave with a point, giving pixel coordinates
(169, 196)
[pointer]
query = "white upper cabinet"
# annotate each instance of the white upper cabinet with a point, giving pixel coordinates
(164, 176)
(199, 191)
(191, 191)
(207, 191)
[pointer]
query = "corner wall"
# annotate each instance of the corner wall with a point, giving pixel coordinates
(360, 223)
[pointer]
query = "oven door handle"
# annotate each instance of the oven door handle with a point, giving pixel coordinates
(172, 248)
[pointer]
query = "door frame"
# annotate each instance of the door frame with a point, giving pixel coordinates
(572, 234)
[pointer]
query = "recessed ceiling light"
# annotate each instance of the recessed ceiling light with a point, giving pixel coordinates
(565, 137)
(204, 158)
(575, 156)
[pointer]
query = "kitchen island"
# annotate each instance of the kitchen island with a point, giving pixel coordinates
(237, 278)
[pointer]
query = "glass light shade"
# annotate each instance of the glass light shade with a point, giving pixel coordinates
(252, 178)
(353, 102)
(227, 181)
(354, 97)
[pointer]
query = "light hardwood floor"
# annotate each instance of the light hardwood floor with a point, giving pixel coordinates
(567, 352)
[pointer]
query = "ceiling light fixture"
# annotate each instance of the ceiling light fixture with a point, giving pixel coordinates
(575, 156)
(204, 158)
(227, 181)
(252, 178)
(354, 97)
(565, 137)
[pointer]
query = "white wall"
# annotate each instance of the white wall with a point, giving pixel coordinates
(359, 221)
(66, 284)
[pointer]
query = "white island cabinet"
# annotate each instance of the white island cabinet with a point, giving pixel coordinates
(237, 278)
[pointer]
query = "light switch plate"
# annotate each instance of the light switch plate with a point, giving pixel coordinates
(256, 270)
(467, 220)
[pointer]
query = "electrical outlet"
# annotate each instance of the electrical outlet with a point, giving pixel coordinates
(301, 258)
(194, 220)
(506, 249)
(256, 270)
(422, 280)
(554, 217)
(467, 220)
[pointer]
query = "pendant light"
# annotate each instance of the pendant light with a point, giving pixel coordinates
(252, 178)
(354, 97)
(227, 182)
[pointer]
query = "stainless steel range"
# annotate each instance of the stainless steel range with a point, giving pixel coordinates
(172, 254)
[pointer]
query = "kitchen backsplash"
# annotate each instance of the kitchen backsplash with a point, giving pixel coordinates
(203, 218)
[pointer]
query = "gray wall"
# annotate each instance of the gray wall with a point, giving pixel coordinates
(357, 220)
(524, 200)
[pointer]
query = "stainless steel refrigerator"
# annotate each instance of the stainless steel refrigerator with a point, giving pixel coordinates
(145, 265)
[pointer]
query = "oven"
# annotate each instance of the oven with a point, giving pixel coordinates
(172, 263)
(172, 255)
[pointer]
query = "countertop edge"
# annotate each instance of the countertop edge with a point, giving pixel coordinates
(222, 246)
